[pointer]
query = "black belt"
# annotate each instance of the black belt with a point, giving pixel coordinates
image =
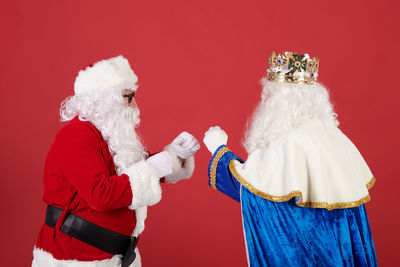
(93, 234)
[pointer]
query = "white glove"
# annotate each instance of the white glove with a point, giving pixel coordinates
(161, 163)
(214, 138)
(185, 145)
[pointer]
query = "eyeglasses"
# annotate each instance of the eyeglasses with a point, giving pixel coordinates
(130, 97)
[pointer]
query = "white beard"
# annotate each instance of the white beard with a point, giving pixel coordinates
(284, 107)
(117, 124)
(114, 120)
(118, 129)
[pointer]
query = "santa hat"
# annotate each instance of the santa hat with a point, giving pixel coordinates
(108, 74)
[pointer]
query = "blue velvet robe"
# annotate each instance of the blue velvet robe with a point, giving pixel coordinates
(283, 234)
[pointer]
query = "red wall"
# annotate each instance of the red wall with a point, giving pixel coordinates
(199, 64)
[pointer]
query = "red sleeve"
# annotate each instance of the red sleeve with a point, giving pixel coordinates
(83, 165)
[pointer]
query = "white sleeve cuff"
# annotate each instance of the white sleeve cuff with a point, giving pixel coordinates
(145, 185)
(179, 171)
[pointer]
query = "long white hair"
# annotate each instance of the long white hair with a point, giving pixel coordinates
(116, 122)
(284, 107)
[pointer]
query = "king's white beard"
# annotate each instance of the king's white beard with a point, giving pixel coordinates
(114, 120)
(284, 107)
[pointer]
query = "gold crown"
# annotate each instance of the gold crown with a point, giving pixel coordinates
(292, 68)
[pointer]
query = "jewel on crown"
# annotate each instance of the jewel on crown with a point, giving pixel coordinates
(292, 68)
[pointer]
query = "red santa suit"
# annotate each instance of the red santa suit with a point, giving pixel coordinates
(80, 178)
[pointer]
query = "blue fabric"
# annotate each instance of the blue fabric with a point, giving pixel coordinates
(283, 234)
(225, 182)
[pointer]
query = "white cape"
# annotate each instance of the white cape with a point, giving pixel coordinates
(315, 163)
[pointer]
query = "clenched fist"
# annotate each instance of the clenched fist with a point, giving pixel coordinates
(185, 145)
(214, 138)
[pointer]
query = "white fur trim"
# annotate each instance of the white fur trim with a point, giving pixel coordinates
(145, 185)
(43, 258)
(179, 171)
(138, 260)
(141, 215)
(113, 73)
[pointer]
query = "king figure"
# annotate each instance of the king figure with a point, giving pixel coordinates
(304, 185)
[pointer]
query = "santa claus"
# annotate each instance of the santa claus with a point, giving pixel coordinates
(98, 178)
(304, 184)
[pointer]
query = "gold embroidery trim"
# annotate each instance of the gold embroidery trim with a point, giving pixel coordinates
(214, 164)
(292, 194)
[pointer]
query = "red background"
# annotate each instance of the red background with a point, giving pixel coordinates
(199, 64)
